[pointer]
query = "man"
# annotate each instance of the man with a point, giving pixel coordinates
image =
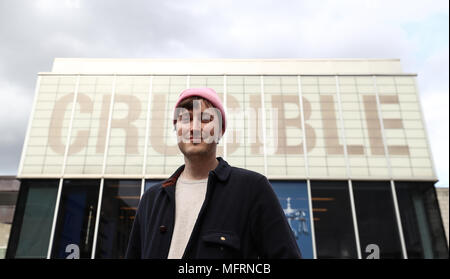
(208, 209)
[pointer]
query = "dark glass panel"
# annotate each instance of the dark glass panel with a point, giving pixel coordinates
(421, 220)
(76, 219)
(33, 218)
(119, 203)
(333, 223)
(377, 224)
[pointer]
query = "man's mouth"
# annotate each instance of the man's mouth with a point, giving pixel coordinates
(195, 140)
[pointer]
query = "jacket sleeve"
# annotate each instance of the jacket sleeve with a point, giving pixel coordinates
(269, 225)
(134, 242)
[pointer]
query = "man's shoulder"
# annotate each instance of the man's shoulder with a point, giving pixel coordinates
(152, 190)
(246, 174)
(248, 181)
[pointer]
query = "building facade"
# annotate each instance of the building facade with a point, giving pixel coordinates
(9, 188)
(442, 195)
(342, 141)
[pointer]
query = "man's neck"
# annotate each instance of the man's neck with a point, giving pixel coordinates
(198, 167)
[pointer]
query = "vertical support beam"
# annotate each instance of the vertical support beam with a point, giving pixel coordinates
(147, 134)
(63, 169)
(342, 132)
(399, 220)
(302, 114)
(225, 108)
(348, 169)
(105, 155)
(355, 219)
(313, 232)
(388, 162)
(97, 218)
(263, 116)
(305, 157)
(55, 217)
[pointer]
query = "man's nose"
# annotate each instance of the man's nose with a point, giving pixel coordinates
(196, 124)
(196, 129)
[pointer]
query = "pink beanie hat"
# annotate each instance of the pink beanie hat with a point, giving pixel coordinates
(208, 94)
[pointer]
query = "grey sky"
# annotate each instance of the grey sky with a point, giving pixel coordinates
(34, 32)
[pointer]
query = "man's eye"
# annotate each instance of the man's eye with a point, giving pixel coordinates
(184, 118)
(206, 118)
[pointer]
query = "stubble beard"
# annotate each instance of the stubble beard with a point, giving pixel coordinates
(197, 150)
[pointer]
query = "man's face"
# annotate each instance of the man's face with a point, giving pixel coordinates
(198, 129)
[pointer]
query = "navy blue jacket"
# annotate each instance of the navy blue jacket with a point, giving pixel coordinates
(241, 217)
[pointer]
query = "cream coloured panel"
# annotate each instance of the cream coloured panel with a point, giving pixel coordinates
(162, 137)
(87, 155)
(284, 134)
(46, 144)
(244, 116)
(128, 126)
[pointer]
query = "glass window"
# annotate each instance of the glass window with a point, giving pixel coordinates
(30, 234)
(293, 196)
(74, 230)
(119, 203)
(377, 225)
(333, 223)
(421, 220)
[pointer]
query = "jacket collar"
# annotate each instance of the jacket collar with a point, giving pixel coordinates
(222, 172)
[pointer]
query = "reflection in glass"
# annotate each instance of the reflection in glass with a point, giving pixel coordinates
(119, 203)
(333, 223)
(149, 183)
(293, 196)
(74, 230)
(33, 219)
(421, 220)
(377, 225)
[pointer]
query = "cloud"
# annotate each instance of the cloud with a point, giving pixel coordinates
(14, 113)
(435, 107)
(433, 82)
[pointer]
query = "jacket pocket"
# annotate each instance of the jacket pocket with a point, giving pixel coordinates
(225, 245)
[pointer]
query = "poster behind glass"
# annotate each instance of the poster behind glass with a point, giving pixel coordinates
(293, 196)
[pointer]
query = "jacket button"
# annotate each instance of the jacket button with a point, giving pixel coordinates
(163, 229)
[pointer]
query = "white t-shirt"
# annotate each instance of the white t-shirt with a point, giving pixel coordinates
(189, 198)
